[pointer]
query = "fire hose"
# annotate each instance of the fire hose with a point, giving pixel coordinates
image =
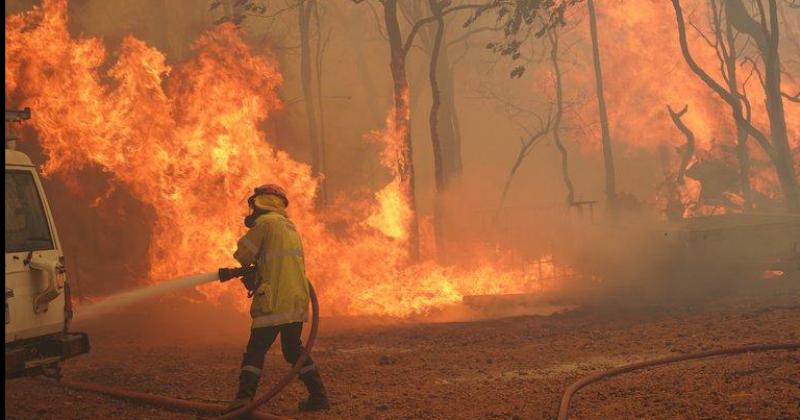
(206, 408)
(563, 412)
(212, 409)
(278, 387)
(198, 407)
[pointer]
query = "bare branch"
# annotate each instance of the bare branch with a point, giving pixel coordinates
(723, 93)
(712, 44)
(756, 70)
(795, 98)
(526, 147)
(689, 152)
(422, 22)
(687, 55)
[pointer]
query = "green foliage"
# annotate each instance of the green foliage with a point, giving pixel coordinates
(519, 20)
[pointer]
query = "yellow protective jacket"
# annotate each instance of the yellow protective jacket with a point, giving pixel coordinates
(281, 295)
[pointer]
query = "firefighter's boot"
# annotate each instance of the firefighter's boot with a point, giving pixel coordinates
(248, 383)
(317, 397)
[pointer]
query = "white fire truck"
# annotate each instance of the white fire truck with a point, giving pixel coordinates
(38, 307)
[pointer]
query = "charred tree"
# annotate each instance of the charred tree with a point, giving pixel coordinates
(766, 36)
(608, 155)
(304, 10)
(729, 55)
(688, 151)
(525, 148)
(553, 37)
(674, 207)
(433, 120)
(398, 49)
(320, 52)
(402, 121)
(448, 129)
(443, 119)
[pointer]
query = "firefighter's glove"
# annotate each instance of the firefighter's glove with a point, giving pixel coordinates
(249, 282)
(226, 274)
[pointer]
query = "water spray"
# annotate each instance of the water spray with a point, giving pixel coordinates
(123, 299)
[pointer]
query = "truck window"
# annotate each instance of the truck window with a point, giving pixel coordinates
(26, 222)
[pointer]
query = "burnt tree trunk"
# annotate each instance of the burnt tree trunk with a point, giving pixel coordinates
(320, 52)
(450, 126)
(766, 34)
(433, 119)
(674, 208)
(557, 118)
(445, 135)
(777, 118)
(304, 9)
(729, 56)
(686, 157)
(526, 146)
(402, 122)
(608, 155)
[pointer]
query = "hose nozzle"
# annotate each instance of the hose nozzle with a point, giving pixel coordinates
(226, 274)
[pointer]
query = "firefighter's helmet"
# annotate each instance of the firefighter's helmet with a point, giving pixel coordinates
(272, 189)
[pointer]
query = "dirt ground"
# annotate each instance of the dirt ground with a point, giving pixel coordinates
(507, 368)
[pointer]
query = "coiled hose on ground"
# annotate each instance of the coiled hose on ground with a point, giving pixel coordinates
(563, 412)
(211, 409)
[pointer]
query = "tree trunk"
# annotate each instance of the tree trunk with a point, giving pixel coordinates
(304, 10)
(320, 51)
(451, 128)
(766, 37)
(433, 119)
(557, 118)
(448, 127)
(674, 207)
(777, 119)
(524, 150)
(689, 151)
(608, 156)
(742, 154)
(513, 172)
(402, 121)
(446, 138)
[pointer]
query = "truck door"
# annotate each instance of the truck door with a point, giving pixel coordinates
(34, 279)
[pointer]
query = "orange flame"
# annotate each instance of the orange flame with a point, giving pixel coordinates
(644, 72)
(186, 140)
(393, 213)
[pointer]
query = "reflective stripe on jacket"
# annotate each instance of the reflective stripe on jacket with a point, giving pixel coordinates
(274, 246)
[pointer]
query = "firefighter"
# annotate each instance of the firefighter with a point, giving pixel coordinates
(279, 292)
